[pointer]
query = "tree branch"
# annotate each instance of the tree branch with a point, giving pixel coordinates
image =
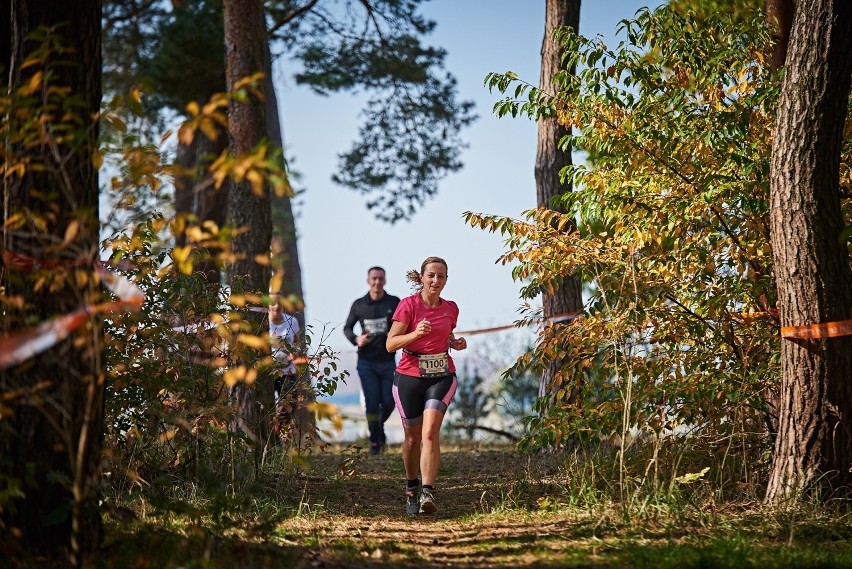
(499, 432)
(292, 16)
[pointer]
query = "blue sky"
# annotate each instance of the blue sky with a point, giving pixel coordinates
(339, 239)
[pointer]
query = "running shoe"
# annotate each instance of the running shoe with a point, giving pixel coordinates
(412, 500)
(427, 501)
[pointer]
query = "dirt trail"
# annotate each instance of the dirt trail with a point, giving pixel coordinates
(360, 521)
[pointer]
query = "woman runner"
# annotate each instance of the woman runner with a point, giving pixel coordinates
(425, 378)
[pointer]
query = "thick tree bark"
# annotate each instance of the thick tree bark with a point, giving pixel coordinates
(247, 127)
(779, 19)
(550, 160)
(245, 41)
(54, 437)
(814, 444)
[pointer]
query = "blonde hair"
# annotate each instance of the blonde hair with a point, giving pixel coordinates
(413, 276)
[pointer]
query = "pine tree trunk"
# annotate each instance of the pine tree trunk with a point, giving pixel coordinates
(284, 236)
(779, 19)
(54, 436)
(550, 160)
(195, 193)
(814, 443)
(245, 38)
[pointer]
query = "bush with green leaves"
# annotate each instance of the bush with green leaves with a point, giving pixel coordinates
(671, 207)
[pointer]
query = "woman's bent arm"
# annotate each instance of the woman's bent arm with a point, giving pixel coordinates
(397, 339)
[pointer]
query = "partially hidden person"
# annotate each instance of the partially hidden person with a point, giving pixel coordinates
(284, 333)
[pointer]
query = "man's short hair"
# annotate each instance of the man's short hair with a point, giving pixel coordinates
(376, 268)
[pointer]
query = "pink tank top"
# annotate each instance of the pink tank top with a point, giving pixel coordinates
(443, 318)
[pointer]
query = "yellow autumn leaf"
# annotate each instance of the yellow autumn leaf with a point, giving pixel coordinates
(239, 168)
(219, 177)
(16, 221)
(194, 233)
(34, 83)
(116, 121)
(168, 435)
(71, 231)
(328, 411)
(253, 298)
(281, 186)
(210, 107)
(208, 127)
(186, 133)
(81, 278)
(287, 304)
(232, 376)
(18, 168)
(180, 254)
(275, 281)
(252, 341)
(256, 181)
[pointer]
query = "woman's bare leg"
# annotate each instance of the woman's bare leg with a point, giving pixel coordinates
(411, 447)
(430, 456)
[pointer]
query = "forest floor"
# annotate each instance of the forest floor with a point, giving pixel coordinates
(497, 508)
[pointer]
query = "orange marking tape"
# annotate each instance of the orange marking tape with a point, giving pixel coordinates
(483, 330)
(120, 286)
(824, 330)
(21, 346)
(20, 262)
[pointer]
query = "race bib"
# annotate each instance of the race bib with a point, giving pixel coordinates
(433, 364)
(376, 325)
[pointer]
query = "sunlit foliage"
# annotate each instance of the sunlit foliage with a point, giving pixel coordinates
(678, 333)
(169, 367)
(169, 407)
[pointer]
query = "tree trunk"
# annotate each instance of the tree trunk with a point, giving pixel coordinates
(550, 160)
(245, 39)
(195, 193)
(52, 441)
(284, 237)
(779, 18)
(814, 444)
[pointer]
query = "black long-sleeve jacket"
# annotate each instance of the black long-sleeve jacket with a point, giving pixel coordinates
(374, 317)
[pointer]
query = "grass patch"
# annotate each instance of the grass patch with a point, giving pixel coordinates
(497, 508)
